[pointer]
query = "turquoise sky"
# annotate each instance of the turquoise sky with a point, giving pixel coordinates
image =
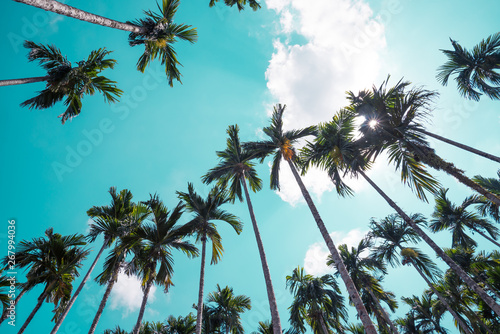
(157, 139)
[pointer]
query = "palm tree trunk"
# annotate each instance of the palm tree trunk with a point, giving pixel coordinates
(199, 314)
(12, 82)
(323, 325)
(486, 237)
(462, 146)
(77, 292)
(351, 288)
(275, 317)
(59, 8)
(143, 306)
(37, 307)
(111, 283)
(382, 311)
(457, 318)
(455, 267)
(5, 313)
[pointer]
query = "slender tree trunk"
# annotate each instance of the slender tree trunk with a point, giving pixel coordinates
(455, 267)
(323, 325)
(77, 292)
(382, 311)
(202, 284)
(12, 82)
(351, 288)
(454, 314)
(462, 146)
(5, 313)
(111, 283)
(37, 307)
(275, 317)
(59, 8)
(143, 306)
(486, 237)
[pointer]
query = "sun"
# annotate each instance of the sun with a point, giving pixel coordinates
(373, 123)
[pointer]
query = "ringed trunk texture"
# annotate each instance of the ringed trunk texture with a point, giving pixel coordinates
(351, 288)
(457, 318)
(60, 8)
(37, 307)
(462, 146)
(5, 313)
(455, 267)
(111, 283)
(199, 311)
(143, 306)
(12, 82)
(77, 292)
(383, 312)
(275, 317)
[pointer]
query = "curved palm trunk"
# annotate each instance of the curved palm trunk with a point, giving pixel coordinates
(199, 314)
(59, 8)
(462, 146)
(457, 318)
(486, 236)
(275, 317)
(37, 307)
(143, 306)
(351, 288)
(77, 292)
(12, 82)
(111, 283)
(455, 267)
(5, 313)
(383, 312)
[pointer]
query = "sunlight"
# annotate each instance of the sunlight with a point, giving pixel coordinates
(373, 123)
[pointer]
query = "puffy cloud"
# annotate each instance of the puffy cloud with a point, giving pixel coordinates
(127, 294)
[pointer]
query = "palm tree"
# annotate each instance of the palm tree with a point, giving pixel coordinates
(117, 330)
(475, 70)
(180, 325)
(152, 245)
(487, 207)
(239, 3)
(206, 211)
(64, 81)
(227, 307)
(317, 300)
(157, 31)
(447, 216)
(395, 234)
(335, 150)
(280, 145)
(426, 315)
(54, 260)
(235, 168)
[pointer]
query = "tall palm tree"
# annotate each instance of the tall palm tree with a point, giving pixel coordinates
(235, 169)
(391, 123)
(447, 216)
(280, 145)
(64, 81)
(55, 260)
(317, 300)
(335, 150)
(227, 306)
(239, 3)
(157, 31)
(395, 234)
(476, 70)
(152, 244)
(426, 315)
(206, 211)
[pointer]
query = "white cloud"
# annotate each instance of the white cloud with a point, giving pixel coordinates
(317, 253)
(127, 294)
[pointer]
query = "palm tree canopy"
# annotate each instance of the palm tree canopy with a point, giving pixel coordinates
(180, 325)
(71, 82)
(207, 210)
(486, 206)
(280, 143)
(475, 70)
(234, 167)
(239, 3)
(158, 33)
(227, 307)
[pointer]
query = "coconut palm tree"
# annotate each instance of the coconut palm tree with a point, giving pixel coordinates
(447, 216)
(206, 211)
(55, 260)
(235, 169)
(476, 70)
(152, 244)
(239, 3)
(157, 31)
(317, 301)
(335, 150)
(280, 144)
(227, 307)
(64, 81)
(180, 325)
